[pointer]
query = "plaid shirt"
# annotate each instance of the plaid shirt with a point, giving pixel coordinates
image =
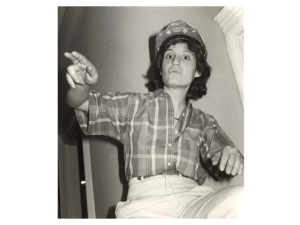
(144, 123)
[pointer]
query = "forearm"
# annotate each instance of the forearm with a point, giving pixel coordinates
(78, 95)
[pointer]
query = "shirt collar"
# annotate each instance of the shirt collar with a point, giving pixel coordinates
(160, 93)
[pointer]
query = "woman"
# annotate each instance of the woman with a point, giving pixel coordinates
(168, 144)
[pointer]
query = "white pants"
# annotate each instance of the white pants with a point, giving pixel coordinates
(171, 196)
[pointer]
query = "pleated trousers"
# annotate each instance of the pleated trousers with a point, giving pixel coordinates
(172, 196)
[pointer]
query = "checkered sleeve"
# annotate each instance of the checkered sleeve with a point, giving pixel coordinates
(217, 139)
(214, 140)
(106, 116)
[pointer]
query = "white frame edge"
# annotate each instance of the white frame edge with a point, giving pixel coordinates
(231, 21)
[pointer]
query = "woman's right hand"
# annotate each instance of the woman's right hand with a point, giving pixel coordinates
(82, 72)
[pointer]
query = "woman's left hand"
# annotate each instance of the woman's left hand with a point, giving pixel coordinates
(232, 161)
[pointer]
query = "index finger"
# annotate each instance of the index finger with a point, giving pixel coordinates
(224, 158)
(77, 58)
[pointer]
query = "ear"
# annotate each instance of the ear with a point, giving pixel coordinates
(197, 74)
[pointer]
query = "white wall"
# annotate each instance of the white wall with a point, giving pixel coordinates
(116, 41)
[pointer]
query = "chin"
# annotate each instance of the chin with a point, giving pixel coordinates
(173, 85)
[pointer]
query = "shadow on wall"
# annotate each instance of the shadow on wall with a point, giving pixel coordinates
(111, 212)
(150, 85)
(121, 171)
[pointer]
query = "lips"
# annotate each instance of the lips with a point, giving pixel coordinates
(174, 71)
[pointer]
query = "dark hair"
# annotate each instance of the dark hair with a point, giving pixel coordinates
(198, 86)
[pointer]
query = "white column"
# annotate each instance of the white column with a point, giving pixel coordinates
(231, 21)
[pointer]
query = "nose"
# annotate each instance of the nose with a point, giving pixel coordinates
(175, 61)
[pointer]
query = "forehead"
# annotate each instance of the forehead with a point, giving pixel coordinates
(180, 47)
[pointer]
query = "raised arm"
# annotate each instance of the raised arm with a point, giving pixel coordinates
(80, 76)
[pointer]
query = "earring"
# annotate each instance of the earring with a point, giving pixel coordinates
(160, 73)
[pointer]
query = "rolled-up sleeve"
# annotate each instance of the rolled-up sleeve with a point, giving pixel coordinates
(107, 114)
(214, 141)
(216, 138)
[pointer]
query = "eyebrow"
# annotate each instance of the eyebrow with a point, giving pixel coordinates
(188, 51)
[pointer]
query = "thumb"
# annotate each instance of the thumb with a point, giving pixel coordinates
(91, 71)
(91, 75)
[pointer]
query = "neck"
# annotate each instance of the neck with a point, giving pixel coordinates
(178, 96)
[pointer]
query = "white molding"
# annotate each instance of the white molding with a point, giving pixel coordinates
(231, 21)
(88, 177)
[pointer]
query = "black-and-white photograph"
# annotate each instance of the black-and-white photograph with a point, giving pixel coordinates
(162, 110)
(151, 112)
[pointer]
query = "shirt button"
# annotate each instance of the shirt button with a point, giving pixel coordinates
(169, 164)
(169, 144)
(198, 144)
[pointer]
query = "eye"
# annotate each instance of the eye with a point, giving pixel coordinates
(186, 57)
(169, 56)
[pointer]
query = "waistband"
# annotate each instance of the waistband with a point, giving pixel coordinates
(168, 172)
(160, 185)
